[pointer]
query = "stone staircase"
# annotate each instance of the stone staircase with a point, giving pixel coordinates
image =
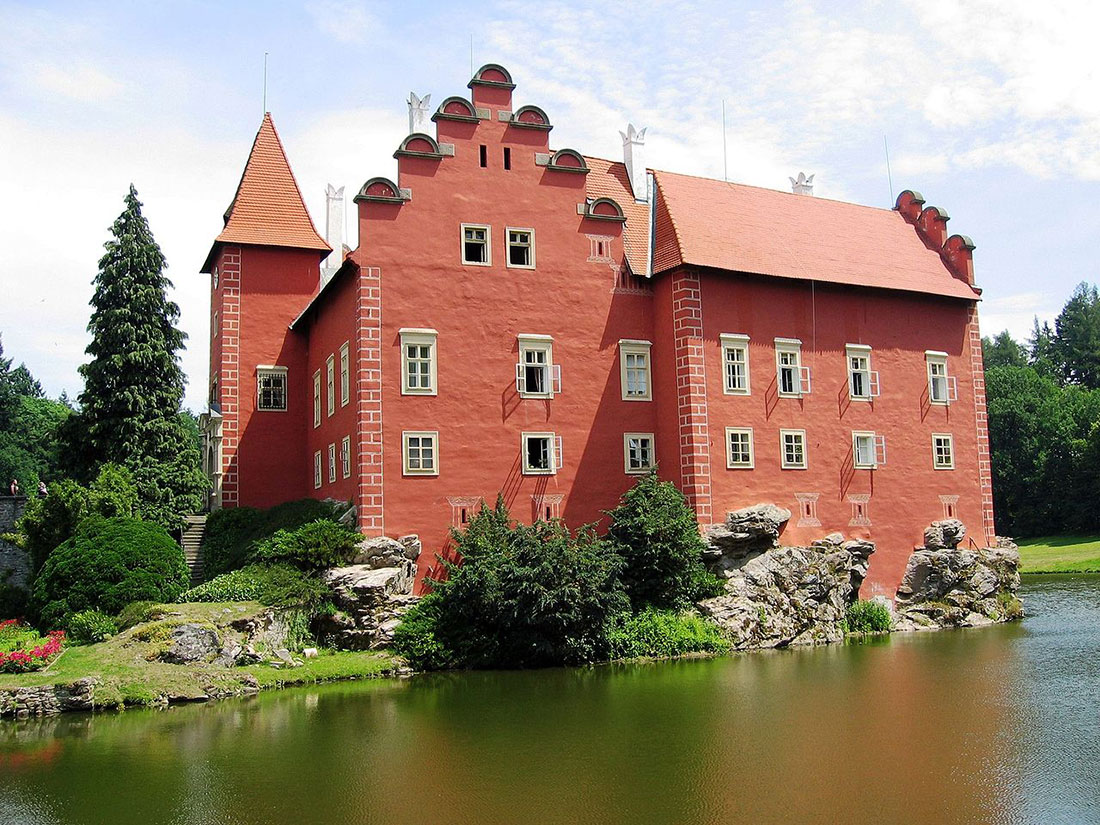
(194, 530)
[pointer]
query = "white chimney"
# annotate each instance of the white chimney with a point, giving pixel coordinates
(634, 158)
(418, 113)
(334, 232)
(803, 185)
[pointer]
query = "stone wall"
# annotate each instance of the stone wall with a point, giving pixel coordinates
(15, 565)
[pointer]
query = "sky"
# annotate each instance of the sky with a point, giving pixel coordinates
(987, 107)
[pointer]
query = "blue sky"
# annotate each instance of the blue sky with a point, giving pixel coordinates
(990, 109)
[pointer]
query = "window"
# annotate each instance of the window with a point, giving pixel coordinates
(862, 381)
(317, 470)
(330, 383)
(317, 399)
(345, 375)
(418, 361)
(860, 504)
(536, 374)
(868, 450)
(638, 452)
(793, 449)
(420, 452)
(507, 158)
(483, 156)
(475, 245)
(521, 248)
(216, 327)
(634, 370)
(943, 451)
(950, 506)
(807, 509)
(541, 453)
(217, 278)
(739, 453)
(942, 388)
(271, 386)
(735, 364)
(792, 377)
(331, 463)
(345, 456)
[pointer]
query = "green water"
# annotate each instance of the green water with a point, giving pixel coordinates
(994, 725)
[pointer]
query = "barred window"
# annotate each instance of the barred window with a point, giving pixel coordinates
(271, 382)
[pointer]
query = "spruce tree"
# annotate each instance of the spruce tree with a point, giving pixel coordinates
(133, 384)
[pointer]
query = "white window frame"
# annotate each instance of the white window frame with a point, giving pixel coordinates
(406, 469)
(270, 371)
(732, 342)
(627, 437)
(530, 245)
(317, 470)
(345, 456)
(877, 447)
(950, 439)
(786, 465)
(317, 399)
(488, 244)
(629, 347)
(932, 359)
(740, 465)
(545, 345)
(801, 376)
(345, 374)
(869, 377)
(554, 445)
(416, 337)
(330, 384)
(332, 463)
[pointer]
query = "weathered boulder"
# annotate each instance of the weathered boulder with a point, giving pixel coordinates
(190, 642)
(946, 534)
(369, 605)
(791, 595)
(952, 587)
(382, 551)
(744, 534)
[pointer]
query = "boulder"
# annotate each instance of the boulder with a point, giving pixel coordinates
(382, 551)
(744, 534)
(190, 643)
(946, 534)
(369, 604)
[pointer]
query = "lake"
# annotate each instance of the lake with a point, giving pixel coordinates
(998, 725)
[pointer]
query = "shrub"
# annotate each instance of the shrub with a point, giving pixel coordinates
(1010, 607)
(22, 649)
(867, 617)
(138, 612)
(312, 546)
(657, 536)
(106, 565)
(91, 626)
(277, 585)
(231, 533)
(664, 634)
(415, 638)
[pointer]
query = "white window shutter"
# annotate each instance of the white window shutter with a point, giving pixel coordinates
(880, 449)
(804, 376)
(521, 379)
(557, 453)
(873, 383)
(557, 378)
(952, 389)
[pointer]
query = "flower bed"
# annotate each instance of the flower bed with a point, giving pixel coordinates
(22, 649)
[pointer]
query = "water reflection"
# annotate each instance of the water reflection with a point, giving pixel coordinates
(996, 725)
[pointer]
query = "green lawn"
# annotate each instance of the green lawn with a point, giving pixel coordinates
(1060, 554)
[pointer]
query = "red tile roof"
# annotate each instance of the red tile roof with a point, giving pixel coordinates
(268, 209)
(729, 226)
(609, 180)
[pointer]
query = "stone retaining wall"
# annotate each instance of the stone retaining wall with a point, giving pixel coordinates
(15, 565)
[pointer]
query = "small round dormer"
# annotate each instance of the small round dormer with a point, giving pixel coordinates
(419, 145)
(456, 108)
(531, 117)
(568, 160)
(492, 74)
(380, 190)
(604, 209)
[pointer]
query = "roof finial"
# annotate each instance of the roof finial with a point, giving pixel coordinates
(803, 185)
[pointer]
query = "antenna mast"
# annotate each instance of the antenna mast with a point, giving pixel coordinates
(889, 177)
(265, 83)
(725, 172)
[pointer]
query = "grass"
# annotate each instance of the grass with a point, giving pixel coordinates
(1060, 554)
(128, 677)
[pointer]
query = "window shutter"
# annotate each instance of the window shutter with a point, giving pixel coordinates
(557, 378)
(557, 453)
(873, 383)
(952, 389)
(521, 378)
(804, 375)
(880, 450)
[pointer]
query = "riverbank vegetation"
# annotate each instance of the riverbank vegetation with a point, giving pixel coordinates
(1060, 554)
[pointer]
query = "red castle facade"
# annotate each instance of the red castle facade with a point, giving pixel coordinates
(547, 325)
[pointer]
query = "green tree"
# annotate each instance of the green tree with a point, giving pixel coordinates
(1003, 351)
(1041, 353)
(133, 383)
(29, 426)
(1077, 337)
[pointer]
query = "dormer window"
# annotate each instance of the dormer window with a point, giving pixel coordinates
(475, 245)
(521, 248)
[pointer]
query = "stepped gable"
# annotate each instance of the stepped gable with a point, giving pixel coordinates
(608, 179)
(738, 228)
(268, 209)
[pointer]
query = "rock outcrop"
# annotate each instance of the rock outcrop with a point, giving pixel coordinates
(945, 586)
(779, 596)
(46, 700)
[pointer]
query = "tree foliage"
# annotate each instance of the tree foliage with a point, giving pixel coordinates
(133, 383)
(29, 426)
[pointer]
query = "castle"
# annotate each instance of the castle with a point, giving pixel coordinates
(545, 324)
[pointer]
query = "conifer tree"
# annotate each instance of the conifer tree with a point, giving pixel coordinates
(133, 383)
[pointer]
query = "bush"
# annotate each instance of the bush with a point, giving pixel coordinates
(312, 546)
(657, 536)
(867, 617)
(1010, 607)
(138, 612)
(277, 585)
(231, 533)
(106, 565)
(22, 649)
(91, 626)
(664, 634)
(415, 638)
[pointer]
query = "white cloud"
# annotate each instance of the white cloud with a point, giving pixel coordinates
(84, 82)
(346, 21)
(1017, 312)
